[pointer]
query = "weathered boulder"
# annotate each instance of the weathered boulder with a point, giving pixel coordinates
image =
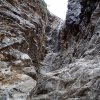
(16, 87)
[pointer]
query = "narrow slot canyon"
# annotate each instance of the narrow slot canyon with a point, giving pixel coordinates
(49, 50)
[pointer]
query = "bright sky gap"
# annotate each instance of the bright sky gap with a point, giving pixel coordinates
(57, 7)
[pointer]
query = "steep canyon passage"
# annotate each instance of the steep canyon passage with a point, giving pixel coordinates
(43, 57)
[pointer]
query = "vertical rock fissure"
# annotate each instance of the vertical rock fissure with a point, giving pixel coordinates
(57, 38)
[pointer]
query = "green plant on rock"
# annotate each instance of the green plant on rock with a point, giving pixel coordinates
(42, 2)
(43, 7)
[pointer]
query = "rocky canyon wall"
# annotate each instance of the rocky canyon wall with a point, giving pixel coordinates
(80, 52)
(81, 31)
(44, 58)
(22, 45)
(73, 72)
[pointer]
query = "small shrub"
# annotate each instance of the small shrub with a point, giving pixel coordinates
(43, 7)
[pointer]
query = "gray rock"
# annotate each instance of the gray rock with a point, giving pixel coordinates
(30, 71)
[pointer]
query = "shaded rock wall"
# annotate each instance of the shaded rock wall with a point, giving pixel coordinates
(81, 28)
